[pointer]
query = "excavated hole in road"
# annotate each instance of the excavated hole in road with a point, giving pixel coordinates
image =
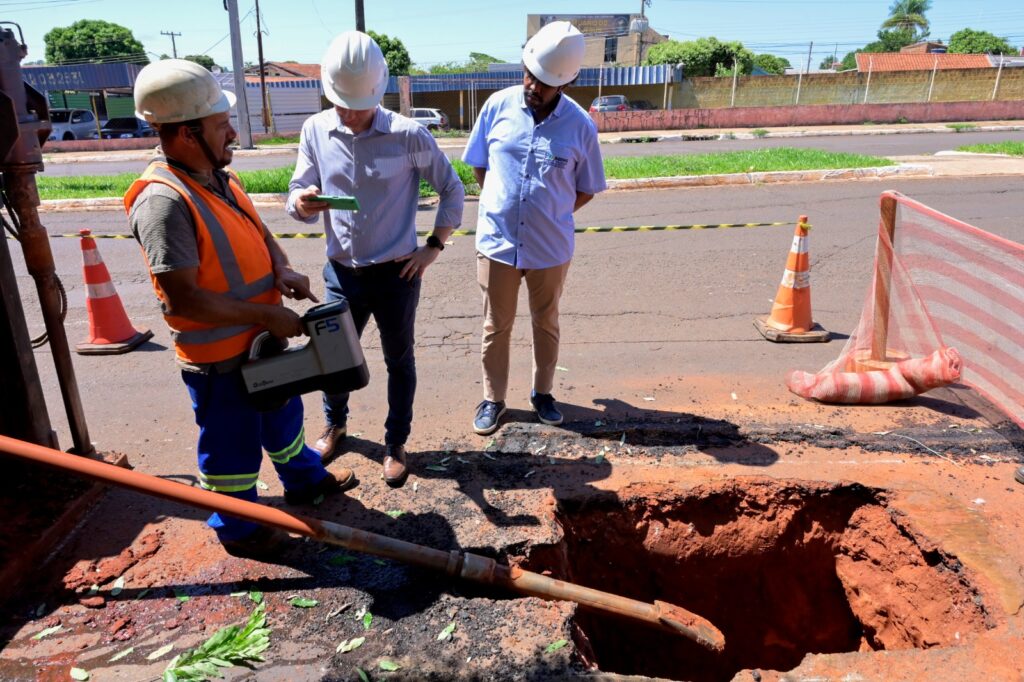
(782, 568)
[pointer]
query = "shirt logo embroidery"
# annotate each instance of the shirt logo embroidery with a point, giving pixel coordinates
(556, 161)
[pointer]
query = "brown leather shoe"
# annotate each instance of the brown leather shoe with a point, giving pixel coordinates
(333, 482)
(395, 469)
(330, 439)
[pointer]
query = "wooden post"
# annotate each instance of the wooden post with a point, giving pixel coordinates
(931, 85)
(999, 75)
(883, 277)
(867, 86)
(462, 121)
(735, 72)
(96, 114)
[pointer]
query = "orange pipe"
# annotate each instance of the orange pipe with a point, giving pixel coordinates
(465, 565)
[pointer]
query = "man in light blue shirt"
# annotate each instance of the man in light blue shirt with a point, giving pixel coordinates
(374, 260)
(535, 153)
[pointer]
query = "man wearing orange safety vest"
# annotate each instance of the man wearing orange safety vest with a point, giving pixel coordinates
(219, 275)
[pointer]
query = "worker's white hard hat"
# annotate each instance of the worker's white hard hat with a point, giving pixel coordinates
(554, 53)
(175, 90)
(354, 73)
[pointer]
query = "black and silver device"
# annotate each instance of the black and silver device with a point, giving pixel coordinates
(331, 361)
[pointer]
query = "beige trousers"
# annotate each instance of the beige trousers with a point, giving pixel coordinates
(499, 284)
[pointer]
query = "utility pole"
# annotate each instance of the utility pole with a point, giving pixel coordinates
(263, 77)
(809, 51)
(360, 18)
(242, 106)
(174, 45)
(640, 25)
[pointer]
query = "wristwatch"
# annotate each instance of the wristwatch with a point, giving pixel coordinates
(434, 242)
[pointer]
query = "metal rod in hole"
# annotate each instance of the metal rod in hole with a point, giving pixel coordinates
(667, 617)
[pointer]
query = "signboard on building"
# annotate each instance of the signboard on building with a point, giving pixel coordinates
(81, 76)
(588, 24)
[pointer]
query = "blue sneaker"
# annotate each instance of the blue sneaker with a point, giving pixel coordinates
(488, 414)
(544, 404)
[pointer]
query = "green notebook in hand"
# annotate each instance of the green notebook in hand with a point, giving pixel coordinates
(339, 202)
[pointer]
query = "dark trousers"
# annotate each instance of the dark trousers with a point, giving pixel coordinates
(378, 290)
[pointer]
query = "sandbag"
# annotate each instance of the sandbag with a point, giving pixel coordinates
(903, 380)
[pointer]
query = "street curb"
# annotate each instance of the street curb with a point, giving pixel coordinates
(984, 155)
(639, 134)
(117, 203)
(768, 177)
(771, 177)
(147, 154)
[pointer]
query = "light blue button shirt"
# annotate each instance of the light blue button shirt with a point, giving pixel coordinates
(533, 174)
(381, 167)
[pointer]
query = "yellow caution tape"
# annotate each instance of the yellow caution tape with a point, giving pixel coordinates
(465, 233)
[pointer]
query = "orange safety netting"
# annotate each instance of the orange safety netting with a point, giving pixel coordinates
(946, 305)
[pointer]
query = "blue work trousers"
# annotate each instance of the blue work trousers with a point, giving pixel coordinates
(378, 290)
(232, 438)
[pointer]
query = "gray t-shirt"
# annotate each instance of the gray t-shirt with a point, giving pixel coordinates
(162, 223)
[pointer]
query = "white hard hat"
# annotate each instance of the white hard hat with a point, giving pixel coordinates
(175, 90)
(554, 53)
(354, 73)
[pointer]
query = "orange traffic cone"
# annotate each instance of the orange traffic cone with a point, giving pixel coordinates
(790, 320)
(110, 332)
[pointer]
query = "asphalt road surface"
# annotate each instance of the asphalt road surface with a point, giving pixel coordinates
(644, 314)
(877, 145)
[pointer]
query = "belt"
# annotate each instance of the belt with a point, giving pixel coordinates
(373, 269)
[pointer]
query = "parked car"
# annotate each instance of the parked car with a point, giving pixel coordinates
(431, 119)
(128, 126)
(641, 105)
(609, 103)
(72, 124)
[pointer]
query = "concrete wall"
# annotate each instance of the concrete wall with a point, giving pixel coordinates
(955, 85)
(763, 117)
(827, 92)
(448, 102)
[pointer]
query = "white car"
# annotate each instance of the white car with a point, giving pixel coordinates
(71, 124)
(431, 119)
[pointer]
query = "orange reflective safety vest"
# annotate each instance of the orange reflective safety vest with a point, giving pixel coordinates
(233, 260)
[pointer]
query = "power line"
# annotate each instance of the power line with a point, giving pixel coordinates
(174, 45)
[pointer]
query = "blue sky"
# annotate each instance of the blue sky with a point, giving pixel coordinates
(448, 30)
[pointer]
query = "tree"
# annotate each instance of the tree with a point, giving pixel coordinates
(702, 57)
(478, 61)
(891, 40)
(969, 41)
(829, 62)
(769, 63)
(93, 40)
(909, 15)
(395, 53)
(202, 60)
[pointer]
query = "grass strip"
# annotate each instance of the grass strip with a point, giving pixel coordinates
(721, 163)
(275, 180)
(1008, 147)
